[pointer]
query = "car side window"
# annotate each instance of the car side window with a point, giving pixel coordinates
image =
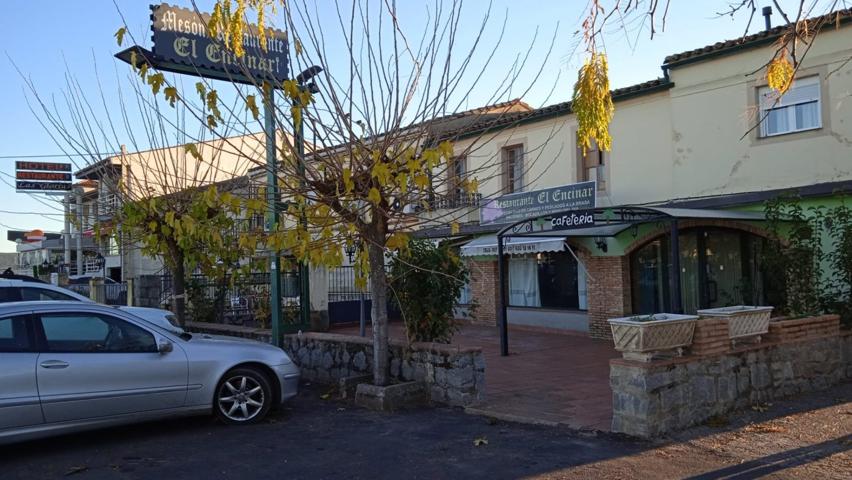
(92, 333)
(13, 335)
(42, 294)
(10, 294)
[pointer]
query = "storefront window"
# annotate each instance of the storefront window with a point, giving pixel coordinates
(546, 280)
(719, 267)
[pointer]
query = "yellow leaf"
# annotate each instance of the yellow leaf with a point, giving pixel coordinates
(119, 35)
(133, 59)
(779, 72)
(298, 45)
(201, 89)
(402, 181)
(191, 149)
(454, 228)
(374, 195)
(446, 149)
(251, 105)
(592, 104)
(422, 181)
(398, 241)
(171, 95)
(472, 186)
(381, 172)
(156, 81)
(296, 111)
(348, 184)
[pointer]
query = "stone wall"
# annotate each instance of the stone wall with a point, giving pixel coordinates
(798, 356)
(453, 375)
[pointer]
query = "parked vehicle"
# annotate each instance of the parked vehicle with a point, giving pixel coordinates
(17, 288)
(70, 366)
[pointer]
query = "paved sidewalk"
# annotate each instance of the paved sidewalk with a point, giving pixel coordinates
(548, 378)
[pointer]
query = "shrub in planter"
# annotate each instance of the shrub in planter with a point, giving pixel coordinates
(426, 280)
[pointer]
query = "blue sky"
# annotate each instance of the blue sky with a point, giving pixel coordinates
(41, 37)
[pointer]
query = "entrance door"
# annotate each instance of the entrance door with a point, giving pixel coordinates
(723, 267)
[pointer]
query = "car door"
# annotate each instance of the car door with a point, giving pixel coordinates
(95, 365)
(19, 402)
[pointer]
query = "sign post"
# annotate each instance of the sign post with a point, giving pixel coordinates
(182, 44)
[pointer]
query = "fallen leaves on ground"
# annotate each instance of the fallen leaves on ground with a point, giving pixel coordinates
(480, 442)
(764, 428)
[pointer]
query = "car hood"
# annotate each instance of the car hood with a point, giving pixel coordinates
(219, 339)
(247, 346)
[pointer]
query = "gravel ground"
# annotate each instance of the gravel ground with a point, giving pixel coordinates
(315, 438)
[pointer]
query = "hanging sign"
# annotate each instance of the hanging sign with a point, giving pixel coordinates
(181, 36)
(516, 207)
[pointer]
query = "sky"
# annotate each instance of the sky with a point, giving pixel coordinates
(43, 40)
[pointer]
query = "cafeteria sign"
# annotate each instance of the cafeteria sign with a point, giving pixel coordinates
(181, 37)
(516, 207)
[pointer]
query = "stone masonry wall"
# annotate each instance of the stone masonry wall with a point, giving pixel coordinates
(452, 375)
(653, 398)
(608, 292)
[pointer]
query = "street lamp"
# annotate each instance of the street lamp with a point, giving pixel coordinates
(301, 80)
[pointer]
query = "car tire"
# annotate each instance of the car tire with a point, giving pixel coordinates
(243, 396)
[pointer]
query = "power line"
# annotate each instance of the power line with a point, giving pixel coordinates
(58, 155)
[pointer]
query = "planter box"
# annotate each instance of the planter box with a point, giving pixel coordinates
(642, 337)
(744, 321)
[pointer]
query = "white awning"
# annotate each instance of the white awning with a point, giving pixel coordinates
(487, 245)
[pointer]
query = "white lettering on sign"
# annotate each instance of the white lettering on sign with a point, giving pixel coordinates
(572, 220)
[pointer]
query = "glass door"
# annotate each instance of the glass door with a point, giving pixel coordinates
(723, 268)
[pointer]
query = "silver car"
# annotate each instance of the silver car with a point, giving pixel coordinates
(67, 366)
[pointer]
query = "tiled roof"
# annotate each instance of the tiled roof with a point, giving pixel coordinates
(563, 108)
(754, 40)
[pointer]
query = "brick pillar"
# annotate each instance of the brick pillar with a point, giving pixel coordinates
(608, 291)
(484, 291)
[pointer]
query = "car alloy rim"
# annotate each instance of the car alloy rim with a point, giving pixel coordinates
(241, 398)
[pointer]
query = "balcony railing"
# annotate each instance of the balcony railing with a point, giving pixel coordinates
(456, 200)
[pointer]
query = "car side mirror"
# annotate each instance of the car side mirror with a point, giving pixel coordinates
(165, 346)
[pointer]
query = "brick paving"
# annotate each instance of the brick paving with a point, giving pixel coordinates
(548, 378)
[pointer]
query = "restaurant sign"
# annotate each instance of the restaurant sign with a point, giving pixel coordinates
(44, 177)
(181, 36)
(517, 207)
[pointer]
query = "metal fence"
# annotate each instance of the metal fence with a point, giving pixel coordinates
(110, 293)
(238, 301)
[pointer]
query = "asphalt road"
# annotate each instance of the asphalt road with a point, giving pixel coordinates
(318, 438)
(312, 438)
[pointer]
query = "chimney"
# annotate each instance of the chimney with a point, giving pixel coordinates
(767, 17)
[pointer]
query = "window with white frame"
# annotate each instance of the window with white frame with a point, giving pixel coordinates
(799, 109)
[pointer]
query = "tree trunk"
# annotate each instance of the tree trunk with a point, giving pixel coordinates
(379, 291)
(179, 280)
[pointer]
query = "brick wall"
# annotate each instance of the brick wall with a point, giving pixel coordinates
(608, 292)
(803, 328)
(484, 291)
(710, 337)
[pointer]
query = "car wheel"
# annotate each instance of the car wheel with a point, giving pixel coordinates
(243, 396)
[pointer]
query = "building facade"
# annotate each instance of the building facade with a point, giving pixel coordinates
(688, 151)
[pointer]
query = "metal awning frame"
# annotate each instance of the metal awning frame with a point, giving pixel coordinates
(627, 216)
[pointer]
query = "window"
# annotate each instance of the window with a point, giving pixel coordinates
(90, 333)
(42, 294)
(797, 110)
(593, 166)
(547, 280)
(513, 169)
(458, 174)
(13, 335)
(10, 294)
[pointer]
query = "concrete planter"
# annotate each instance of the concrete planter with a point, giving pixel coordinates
(744, 321)
(642, 337)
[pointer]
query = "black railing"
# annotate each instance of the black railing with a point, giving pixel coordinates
(455, 200)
